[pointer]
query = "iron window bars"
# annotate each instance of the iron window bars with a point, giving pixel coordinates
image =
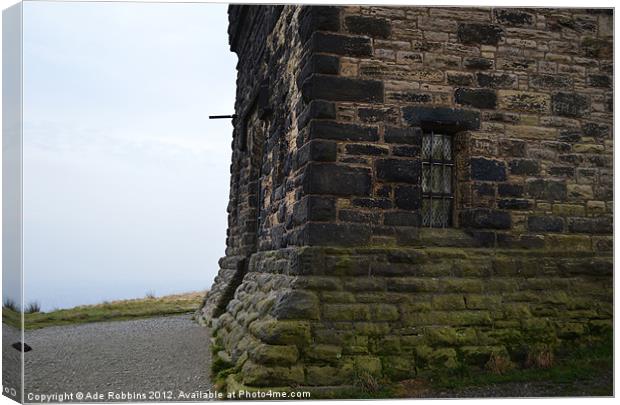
(437, 178)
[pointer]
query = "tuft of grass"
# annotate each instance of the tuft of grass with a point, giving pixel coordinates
(108, 311)
(573, 364)
(366, 382)
(33, 307)
(150, 294)
(10, 305)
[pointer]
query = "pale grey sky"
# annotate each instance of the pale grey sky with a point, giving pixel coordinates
(125, 179)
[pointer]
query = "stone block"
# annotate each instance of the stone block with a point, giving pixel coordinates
(580, 191)
(316, 151)
(524, 101)
(371, 26)
(276, 332)
(485, 218)
(384, 312)
(510, 190)
(550, 190)
(410, 136)
(488, 169)
(342, 132)
(602, 225)
(318, 63)
(545, 224)
(365, 149)
(514, 204)
(597, 48)
(275, 355)
(570, 104)
(479, 98)
(318, 18)
(407, 197)
(346, 312)
(263, 376)
(460, 119)
(555, 81)
(568, 210)
(479, 33)
(528, 167)
(342, 234)
(399, 170)
(448, 302)
(336, 179)
(319, 109)
(478, 63)
(345, 45)
(514, 17)
(459, 79)
(402, 218)
(296, 304)
(337, 88)
(496, 80)
(323, 352)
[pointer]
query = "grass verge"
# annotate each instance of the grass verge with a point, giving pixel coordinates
(108, 311)
(587, 368)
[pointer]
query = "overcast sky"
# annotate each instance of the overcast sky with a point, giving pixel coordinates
(125, 179)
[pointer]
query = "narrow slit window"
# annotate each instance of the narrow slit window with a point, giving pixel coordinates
(437, 180)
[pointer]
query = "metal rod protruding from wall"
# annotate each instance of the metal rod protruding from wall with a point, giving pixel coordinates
(217, 117)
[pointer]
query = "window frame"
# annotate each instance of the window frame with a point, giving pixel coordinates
(449, 197)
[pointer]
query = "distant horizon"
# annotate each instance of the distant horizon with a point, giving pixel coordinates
(125, 178)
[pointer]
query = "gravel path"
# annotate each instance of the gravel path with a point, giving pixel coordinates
(128, 358)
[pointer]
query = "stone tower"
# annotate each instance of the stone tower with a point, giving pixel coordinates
(413, 189)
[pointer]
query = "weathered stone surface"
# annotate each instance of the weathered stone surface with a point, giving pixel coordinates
(364, 149)
(514, 17)
(488, 169)
(477, 33)
(316, 109)
(545, 224)
(510, 190)
(336, 88)
(514, 204)
(371, 26)
(336, 179)
(485, 218)
(341, 44)
(330, 271)
(524, 101)
(296, 304)
(590, 225)
(496, 80)
(323, 18)
(570, 104)
(314, 208)
(275, 355)
(408, 197)
(479, 98)
(546, 189)
(342, 132)
(282, 332)
(478, 63)
(527, 167)
(326, 234)
(462, 119)
(544, 81)
(399, 170)
(412, 136)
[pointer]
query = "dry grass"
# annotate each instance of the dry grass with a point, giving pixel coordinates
(109, 311)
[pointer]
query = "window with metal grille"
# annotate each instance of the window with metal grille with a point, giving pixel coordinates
(437, 179)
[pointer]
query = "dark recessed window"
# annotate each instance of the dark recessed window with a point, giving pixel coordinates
(437, 180)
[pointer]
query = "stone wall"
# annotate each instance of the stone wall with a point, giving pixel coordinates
(329, 273)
